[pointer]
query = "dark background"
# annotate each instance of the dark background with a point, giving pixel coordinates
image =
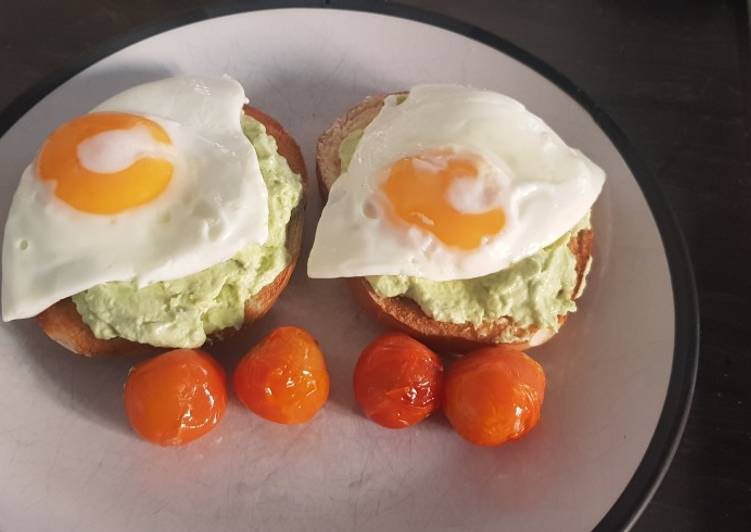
(674, 75)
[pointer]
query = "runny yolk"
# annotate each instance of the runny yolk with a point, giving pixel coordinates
(417, 188)
(102, 193)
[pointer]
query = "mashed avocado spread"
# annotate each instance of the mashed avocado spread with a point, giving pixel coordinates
(182, 312)
(533, 291)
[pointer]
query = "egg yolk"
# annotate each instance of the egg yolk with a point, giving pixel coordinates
(102, 193)
(417, 188)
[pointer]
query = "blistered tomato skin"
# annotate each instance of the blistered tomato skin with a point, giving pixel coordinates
(398, 381)
(494, 395)
(176, 397)
(284, 378)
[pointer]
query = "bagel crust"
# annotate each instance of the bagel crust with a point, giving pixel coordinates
(62, 322)
(405, 314)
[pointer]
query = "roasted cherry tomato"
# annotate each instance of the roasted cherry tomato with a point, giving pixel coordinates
(494, 395)
(284, 377)
(398, 381)
(176, 397)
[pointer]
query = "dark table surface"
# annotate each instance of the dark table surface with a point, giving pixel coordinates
(675, 76)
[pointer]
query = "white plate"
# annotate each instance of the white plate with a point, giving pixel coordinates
(620, 374)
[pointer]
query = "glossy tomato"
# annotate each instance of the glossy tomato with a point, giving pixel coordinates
(494, 395)
(398, 381)
(176, 397)
(283, 378)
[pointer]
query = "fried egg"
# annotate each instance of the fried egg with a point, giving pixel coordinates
(156, 183)
(451, 183)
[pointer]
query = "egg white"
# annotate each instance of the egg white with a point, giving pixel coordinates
(543, 186)
(215, 204)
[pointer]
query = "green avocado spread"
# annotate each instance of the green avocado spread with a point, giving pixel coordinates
(182, 312)
(534, 291)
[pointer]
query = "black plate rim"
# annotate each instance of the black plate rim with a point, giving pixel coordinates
(672, 421)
